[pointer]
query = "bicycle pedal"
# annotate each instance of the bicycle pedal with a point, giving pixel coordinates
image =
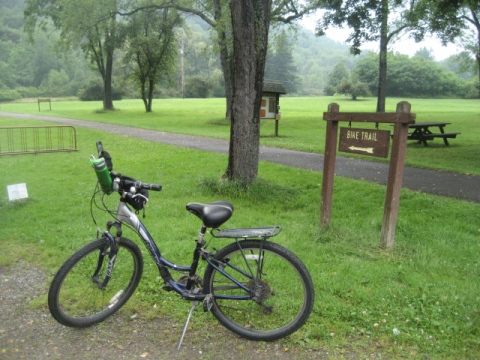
(208, 303)
(167, 287)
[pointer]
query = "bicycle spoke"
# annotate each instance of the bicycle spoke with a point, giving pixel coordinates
(281, 291)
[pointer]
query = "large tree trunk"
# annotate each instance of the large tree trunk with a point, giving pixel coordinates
(108, 95)
(250, 23)
(225, 55)
(143, 93)
(478, 65)
(227, 77)
(151, 87)
(382, 68)
(477, 57)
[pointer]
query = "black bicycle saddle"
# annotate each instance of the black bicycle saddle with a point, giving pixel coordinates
(213, 214)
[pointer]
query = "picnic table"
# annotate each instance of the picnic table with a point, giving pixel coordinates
(422, 132)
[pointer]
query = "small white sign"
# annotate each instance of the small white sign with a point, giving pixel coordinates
(17, 191)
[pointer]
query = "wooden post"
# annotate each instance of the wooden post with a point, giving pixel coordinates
(329, 167)
(400, 119)
(395, 176)
(44, 100)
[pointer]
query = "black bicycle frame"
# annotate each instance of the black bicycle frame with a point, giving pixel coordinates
(124, 214)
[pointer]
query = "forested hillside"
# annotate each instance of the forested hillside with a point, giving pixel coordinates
(302, 62)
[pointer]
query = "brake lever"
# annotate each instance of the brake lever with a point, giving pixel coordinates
(142, 196)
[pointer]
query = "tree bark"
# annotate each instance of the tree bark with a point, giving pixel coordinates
(225, 54)
(477, 55)
(227, 78)
(143, 94)
(108, 96)
(151, 87)
(382, 68)
(250, 23)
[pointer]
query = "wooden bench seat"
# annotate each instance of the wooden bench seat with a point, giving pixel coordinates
(444, 135)
(424, 137)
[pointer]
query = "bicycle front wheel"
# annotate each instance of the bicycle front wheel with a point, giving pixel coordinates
(276, 295)
(76, 297)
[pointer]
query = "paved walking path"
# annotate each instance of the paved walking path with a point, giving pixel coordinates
(461, 186)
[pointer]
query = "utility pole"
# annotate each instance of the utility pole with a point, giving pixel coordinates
(183, 67)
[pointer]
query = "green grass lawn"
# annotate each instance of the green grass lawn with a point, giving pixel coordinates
(301, 126)
(417, 300)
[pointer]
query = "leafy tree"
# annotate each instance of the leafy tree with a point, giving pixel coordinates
(315, 58)
(470, 89)
(280, 66)
(452, 19)
(198, 87)
(9, 95)
(57, 83)
(366, 70)
(353, 88)
(462, 64)
(425, 53)
(371, 20)
(241, 29)
(217, 15)
(152, 47)
(11, 21)
(250, 25)
(412, 77)
(340, 72)
(90, 24)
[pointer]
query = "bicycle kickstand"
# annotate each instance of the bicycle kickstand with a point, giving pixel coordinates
(194, 305)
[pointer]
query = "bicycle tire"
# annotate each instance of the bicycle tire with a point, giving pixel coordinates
(75, 299)
(284, 299)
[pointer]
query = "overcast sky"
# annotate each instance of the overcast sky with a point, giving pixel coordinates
(403, 45)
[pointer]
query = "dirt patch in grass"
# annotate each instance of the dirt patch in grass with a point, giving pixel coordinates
(27, 333)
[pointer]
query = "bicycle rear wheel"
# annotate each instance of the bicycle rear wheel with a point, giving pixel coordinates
(280, 296)
(75, 298)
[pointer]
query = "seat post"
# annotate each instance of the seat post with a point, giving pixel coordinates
(196, 257)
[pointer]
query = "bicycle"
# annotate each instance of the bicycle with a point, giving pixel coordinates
(254, 287)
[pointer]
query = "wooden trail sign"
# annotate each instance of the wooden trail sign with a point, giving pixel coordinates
(365, 141)
(400, 119)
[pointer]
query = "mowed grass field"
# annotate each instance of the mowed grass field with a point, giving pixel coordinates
(301, 126)
(419, 299)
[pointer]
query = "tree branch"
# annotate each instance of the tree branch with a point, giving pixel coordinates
(169, 5)
(397, 31)
(288, 6)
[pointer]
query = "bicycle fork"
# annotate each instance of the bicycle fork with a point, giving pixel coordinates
(112, 255)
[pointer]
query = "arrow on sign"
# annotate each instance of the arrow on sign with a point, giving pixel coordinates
(368, 150)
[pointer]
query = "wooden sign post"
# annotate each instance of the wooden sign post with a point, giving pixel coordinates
(365, 142)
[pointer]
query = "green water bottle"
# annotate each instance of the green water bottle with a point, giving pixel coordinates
(103, 174)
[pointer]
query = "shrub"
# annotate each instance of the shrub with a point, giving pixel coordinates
(471, 89)
(29, 92)
(198, 87)
(329, 90)
(353, 88)
(9, 95)
(94, 92)
(57, 84)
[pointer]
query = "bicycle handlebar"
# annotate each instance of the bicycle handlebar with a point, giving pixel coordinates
(154, 187)
(121, 183)
(126, 183)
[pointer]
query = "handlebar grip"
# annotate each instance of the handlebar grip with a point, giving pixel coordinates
(154, 187)
(99, 148)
